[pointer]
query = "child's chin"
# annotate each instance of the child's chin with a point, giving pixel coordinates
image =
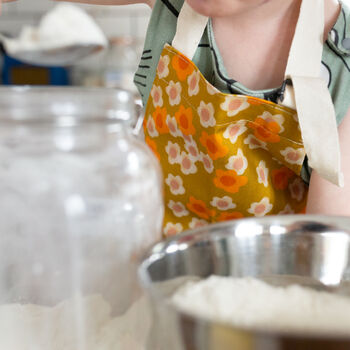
(204, 7)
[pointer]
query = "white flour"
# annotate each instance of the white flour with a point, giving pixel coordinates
(250, 303)
(64, 25)
(29, 327)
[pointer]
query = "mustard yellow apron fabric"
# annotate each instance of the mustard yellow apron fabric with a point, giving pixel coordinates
(223, 156)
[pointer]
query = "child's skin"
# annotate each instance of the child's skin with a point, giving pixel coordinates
(254, 38)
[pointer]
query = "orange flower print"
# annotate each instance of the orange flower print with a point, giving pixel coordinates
(266, 131)
(256, 101)
(229, 180)
(183, 67)
(280, 177)
(172, 229)
(302, 211)
(278, 118)
(184, 118)
(153, 146)
(214, 145)
(230, 215)
(199, 207)
(160, 117)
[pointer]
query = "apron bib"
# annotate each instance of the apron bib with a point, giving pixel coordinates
(231, 156)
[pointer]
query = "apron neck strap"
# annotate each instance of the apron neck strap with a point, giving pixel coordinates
(189, 31)
(305, 55)
(308, 38)
(308, 94)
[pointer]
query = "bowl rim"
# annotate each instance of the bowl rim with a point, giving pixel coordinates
(158, 251)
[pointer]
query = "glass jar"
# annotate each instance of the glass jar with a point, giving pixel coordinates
(80, 200)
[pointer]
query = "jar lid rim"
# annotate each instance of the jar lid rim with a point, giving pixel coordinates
(47, 105)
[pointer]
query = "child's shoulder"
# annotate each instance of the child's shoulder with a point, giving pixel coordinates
(336, 62)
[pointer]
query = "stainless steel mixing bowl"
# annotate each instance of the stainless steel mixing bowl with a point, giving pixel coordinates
(312, 251)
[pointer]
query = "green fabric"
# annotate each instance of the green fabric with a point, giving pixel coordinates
(161, 30)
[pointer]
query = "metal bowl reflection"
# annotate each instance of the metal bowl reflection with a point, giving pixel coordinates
(312, 251)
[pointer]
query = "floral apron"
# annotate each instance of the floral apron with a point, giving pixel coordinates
(231, 156)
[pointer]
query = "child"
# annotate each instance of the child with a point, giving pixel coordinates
(230, 143)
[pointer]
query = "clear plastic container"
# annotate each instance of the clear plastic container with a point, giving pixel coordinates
(80, 200)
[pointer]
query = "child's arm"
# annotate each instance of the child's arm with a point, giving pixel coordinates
(324, 197)
(114, 2)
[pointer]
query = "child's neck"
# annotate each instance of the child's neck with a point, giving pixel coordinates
(255, 45)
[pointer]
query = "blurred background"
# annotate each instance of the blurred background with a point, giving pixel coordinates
(124, 26)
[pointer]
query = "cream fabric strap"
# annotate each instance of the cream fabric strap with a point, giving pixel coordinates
(309, 95)
(189, 31)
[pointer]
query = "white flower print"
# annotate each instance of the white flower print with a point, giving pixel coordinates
(173, 150)
(163, 66)
(207, 162)
(234, 104)
(187, 138)
(294, 156)
(239, 163)
(254, 143)
(278, 118)
(192, 148)
(151, 128)
(297, 189)
(187, 164)
(234, 130)
(178, 209)
(196, 223)
(287, 210)
(157, 96)
(261, 208)
(193, 83)
(172, 126)
(263, 173)
(212, 90)
(171, 229)
(224, 203)
(206, 114)
(173, 90)
(175, 184)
